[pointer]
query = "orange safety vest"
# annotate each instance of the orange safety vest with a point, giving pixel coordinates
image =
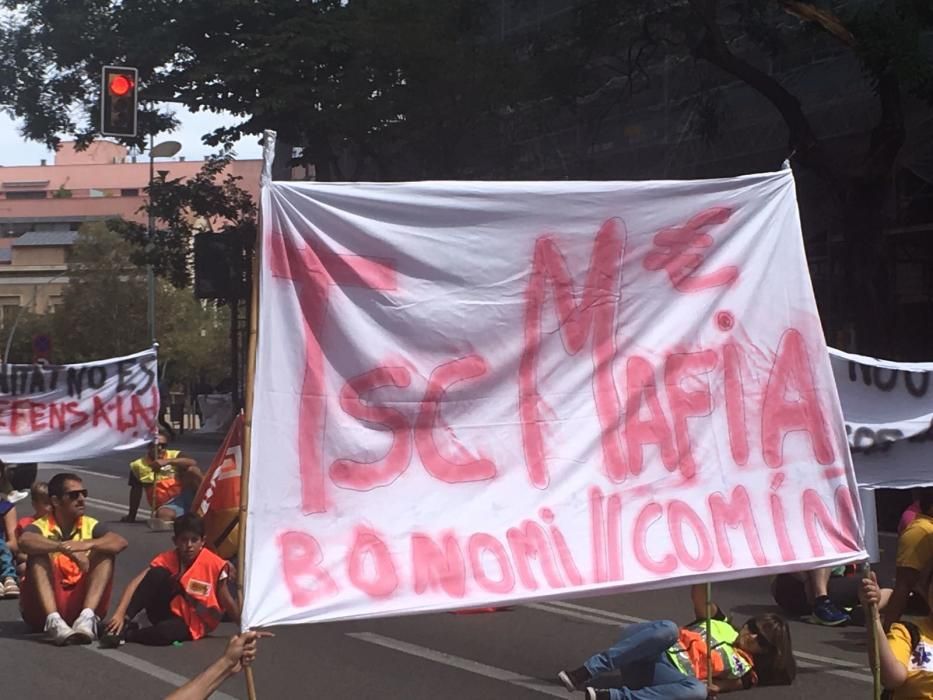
(161, 483)
(196, 603)
(83, 530)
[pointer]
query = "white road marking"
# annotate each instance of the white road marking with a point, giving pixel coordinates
(475, 667)
(101, 504)
(50, 466)
(613, 619)
(150, 669)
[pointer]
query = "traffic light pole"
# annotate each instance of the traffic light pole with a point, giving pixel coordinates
(150, 277)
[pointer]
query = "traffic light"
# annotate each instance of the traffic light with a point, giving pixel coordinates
(119, 86)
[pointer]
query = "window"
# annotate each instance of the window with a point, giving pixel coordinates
(26, 194)
(129, 192)
(9, 309)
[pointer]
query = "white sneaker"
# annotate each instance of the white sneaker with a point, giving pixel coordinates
(17, 496)
(85, 629)
(58, 630)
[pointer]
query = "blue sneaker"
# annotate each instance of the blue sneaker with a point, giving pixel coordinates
(825, 612)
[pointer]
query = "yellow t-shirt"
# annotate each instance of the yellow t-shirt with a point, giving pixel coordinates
(919, 661)
(915, 545)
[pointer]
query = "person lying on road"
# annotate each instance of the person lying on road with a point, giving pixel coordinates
(659, 660)
(69, 566)
(184, 592)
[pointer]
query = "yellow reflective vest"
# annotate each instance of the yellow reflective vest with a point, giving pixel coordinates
(161, 483)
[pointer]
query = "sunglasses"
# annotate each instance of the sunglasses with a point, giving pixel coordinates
(763, 641)
(73, 495)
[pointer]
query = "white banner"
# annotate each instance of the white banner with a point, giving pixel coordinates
(472, 393)
(59, 413)
(888, 409)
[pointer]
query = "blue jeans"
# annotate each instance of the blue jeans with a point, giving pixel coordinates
(7, 565)
(647, 673)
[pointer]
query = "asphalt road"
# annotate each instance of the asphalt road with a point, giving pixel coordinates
(513, 654)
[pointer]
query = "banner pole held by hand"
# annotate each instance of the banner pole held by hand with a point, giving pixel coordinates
(871, 613)
(709, 634)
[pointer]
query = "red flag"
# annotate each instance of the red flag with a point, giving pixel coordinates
(218, 499)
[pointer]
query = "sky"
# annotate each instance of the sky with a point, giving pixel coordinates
(16, 151)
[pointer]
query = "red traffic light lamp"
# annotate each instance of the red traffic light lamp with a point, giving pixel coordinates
(118, 99)
(120, 85)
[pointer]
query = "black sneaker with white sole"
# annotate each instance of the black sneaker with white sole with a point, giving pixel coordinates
(574, 679)
(597, 694)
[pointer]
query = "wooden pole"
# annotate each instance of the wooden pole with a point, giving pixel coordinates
(709, 634)
(248, 438)
(870, 616)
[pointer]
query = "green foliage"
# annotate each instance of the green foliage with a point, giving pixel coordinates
(103, 314)
(211, 201)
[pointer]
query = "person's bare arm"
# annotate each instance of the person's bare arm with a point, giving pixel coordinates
(725, 685)
(34, 543)
(904, 581)
(227, 602)
(110, 544)
(893, 672)
(698, 598)
(180, 463)
(115, 624)
(240, 652)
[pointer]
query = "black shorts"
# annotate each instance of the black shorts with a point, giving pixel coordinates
(134, 480)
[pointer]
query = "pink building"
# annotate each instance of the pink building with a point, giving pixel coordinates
(42, 207)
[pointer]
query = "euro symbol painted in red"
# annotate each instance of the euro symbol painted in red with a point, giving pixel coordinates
(679, 250)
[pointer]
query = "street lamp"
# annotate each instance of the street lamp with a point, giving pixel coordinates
(166, 149)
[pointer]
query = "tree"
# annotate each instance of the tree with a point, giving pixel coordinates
(343, 80)
(103, 314)
(612, 50)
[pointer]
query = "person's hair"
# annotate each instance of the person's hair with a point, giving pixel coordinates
(39, 491)
(57, 483)
(925, 499)
(188, 523)
(775, 665)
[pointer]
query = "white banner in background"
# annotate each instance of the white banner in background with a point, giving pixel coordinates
(59, 413)
(473, 393)
(888, 409)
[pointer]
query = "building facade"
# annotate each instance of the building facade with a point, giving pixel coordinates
(43, 206)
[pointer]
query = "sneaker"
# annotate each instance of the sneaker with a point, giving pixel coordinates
(108, 640)
(574, 679)
(58, 630)
(85, 629)
(9, 588)
(825, 612)
(597, 694)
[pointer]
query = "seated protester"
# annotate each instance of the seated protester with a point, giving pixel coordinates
(914, 550)
(69, 566)
(814, 595)
(169, 479)
(905, 654)
(9, 579)
(39, 493)
(184, 592)
(659, 660)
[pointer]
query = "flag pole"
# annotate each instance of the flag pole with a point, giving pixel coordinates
(870, 616)
(269, 150)
(709, 635)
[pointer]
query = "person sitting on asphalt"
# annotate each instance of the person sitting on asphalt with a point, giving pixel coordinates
(170, 480)
(815, 595)
(905, 653)
(659, 660)
(69, 566)
(39, 494)
(240, 653)
(914, 550)
(184, 591)
(9, 579)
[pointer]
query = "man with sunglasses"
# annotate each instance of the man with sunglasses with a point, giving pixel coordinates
(69, 566)
(169, 479)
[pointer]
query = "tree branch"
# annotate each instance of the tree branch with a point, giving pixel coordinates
(712, 47)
